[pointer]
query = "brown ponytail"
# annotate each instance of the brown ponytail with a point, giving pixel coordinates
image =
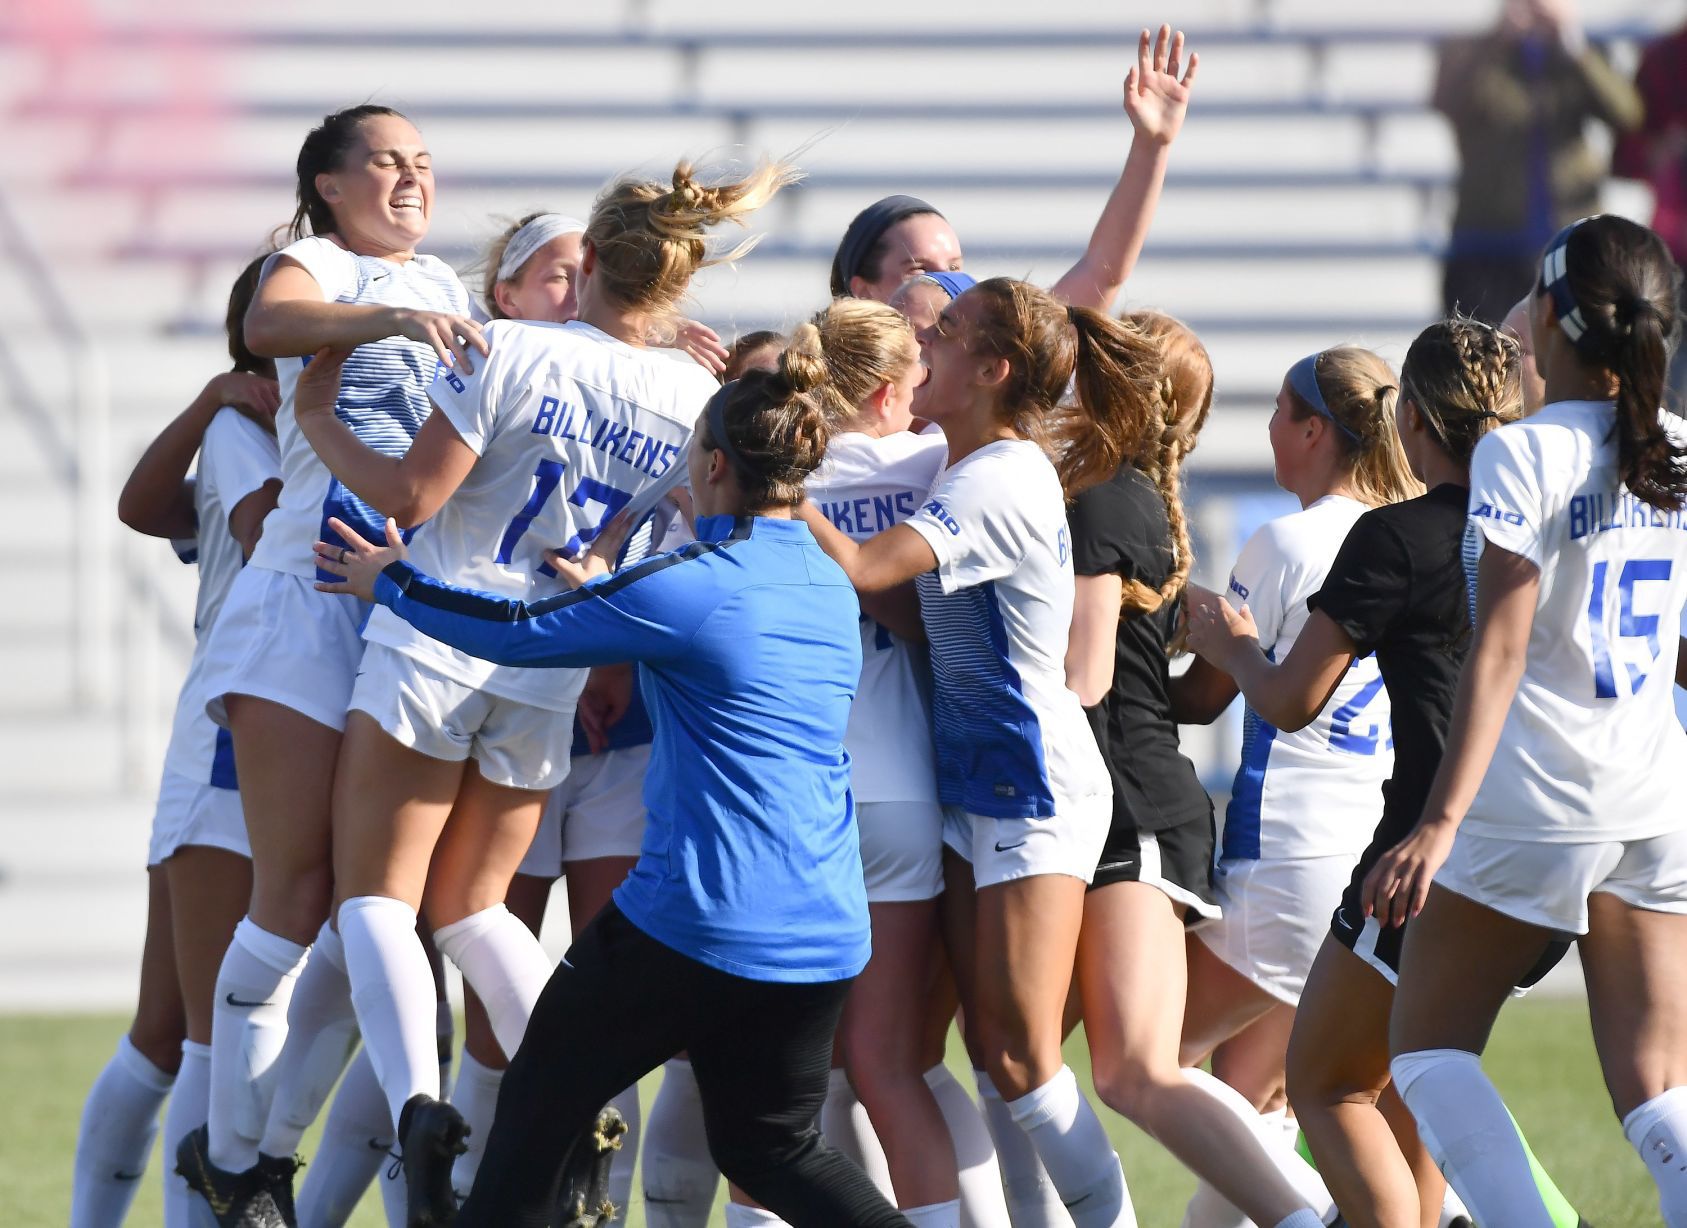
(1048, 346)
(1626, 288)
(1184, 393)
(775, 425)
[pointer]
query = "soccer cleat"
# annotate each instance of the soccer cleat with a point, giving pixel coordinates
(279, 1171)
(237, 1200)
(430, 1138)
(584, 1198)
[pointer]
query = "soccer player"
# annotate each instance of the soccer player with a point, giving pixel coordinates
(1025, 791)
(442, 779)
(900, 237)
(280, 661)
(1553, 809)
(198, 863)
(745, 922)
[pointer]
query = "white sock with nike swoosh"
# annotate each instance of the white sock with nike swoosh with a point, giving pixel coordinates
(355, 1149)
(248, 1032)
(119, 1122)
(321, 1036)
(190, 1099)
(476, 1098)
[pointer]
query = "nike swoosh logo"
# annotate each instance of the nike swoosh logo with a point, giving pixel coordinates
(120, 1175)
(1341, 919)
(234, 1001)
(1002, 848)
(219, 1206)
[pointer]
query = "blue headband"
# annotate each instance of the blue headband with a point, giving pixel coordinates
(1303, 378)
(1555, 280)
(865, 230)
(953, 284)
(716, 412)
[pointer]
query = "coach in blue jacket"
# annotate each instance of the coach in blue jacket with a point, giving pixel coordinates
(739, 931)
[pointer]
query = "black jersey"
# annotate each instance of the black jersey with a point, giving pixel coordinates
(1119, 527)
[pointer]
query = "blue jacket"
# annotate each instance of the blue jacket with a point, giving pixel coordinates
(749, 649)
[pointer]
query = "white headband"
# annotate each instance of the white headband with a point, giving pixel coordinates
(531, 237)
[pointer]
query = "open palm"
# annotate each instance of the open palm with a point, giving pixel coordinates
(1158, 85)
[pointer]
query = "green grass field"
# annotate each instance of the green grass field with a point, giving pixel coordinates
(1542, 1057)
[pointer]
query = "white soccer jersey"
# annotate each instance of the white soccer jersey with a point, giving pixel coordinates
(1590, 741)
(865, 486)
(1011, 739)
(383, 396)
(236, 458)
(1316, 792)
(571, 426)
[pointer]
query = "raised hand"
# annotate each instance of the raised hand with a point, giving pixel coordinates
(703, 344)
(1158, 85)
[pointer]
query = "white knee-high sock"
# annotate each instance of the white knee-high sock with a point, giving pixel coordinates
(501, 958)
(321, 1034)
(982, 1203)
(1464, 1123)
(394, 996)
(356, 1142)
(1658, 1131)
(1308, 1185)
(680, 1177)
(119, 1123)
(248, 1032)
(621, 1166)
(1076, 1151)
(1032, 1200)
(190, 1100)
(476, 1096)
(844, 1122)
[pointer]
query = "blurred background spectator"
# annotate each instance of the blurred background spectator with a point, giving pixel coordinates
(1519, 97)
(1656, 154)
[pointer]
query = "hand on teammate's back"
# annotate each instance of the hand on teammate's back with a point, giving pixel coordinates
(256, 396)
(451, 337)
(358, 561)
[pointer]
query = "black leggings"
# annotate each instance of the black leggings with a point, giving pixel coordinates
(619, 1006)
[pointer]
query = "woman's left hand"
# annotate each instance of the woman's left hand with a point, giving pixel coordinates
(1156, 96)
(703, 344)
(359, 561)
(1397, 886)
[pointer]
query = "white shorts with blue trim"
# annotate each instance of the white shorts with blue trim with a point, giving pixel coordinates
(1068, 842)
(191, 813)
(597, 812)
(515, 744)
(1276, 914)
(1547, 884)
(279, 639)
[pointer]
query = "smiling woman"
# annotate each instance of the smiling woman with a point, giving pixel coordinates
(281, 658)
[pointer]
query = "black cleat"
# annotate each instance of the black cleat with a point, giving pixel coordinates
(279, 1171)
(584, 1197)
(237, 1200)
(430, 1138)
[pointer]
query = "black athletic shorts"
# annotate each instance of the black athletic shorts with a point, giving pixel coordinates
(1178, 860)
(1380, 945)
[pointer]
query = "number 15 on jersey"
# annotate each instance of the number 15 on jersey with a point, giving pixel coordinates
(1631, 624)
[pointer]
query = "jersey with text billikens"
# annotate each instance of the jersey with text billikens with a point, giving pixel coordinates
(236, 458)
(570, 426)
(1012, 740)
(1316, 792)
(1590, 742)
(865, 486)
(383, 397)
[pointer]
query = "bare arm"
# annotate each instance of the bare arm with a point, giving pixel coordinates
(1507, 586)
(897, 610)
(409, 488)
(1288, 693)
(1094, 640)
(246, 520)
(878, 564)
(1156, 99)
(156, 499)
(289, 318)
